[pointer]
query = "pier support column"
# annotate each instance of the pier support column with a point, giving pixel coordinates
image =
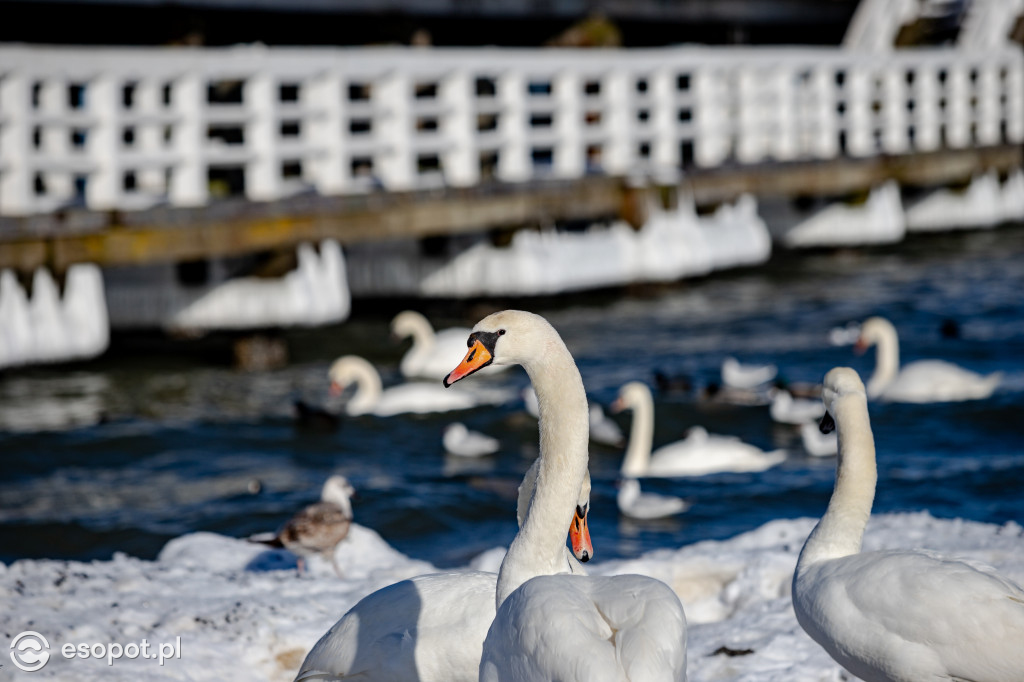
(188, 183)
(458, 125)
(15, 145)
(514, 163)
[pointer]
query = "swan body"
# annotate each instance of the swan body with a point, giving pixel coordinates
(700, 453)
(637, 504)
(432, 353)
(739, 375)
(557, 627)
(787, 409)
(459, 440)
(429, 628)
(897, 615)
(318, 528)
(924, 381)
(372, 398)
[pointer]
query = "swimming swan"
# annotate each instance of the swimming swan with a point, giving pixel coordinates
(432, 353)
(565, 627)
(896, 615)
(372, 398)
(923, 381)
(700, 453)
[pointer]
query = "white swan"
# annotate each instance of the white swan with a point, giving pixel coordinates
(698, 454)
(432, 353)
(787, 409)
(559, 627)
(430, 628)
(924, 381)
(637, 504)
(460, 441)
(318, 528)
(739, 375)
(896, 615)
(602, 429)
(372, 398)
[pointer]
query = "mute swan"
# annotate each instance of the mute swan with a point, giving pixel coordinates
(432, 353)
(563, 627)
(458, 440)
(896, 615)
(430, 628)
(786, 409)
(699, 454)
(637, 504)
(371, 398)
(602, 429)
(738, 375)
(318, 528)
(924, 381)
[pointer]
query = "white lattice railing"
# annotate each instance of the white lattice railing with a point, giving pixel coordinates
(127, 129)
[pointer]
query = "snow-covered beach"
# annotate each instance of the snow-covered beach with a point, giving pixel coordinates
(243, 612)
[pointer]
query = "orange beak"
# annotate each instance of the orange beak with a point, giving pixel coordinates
(477, 357)
(336, 388)
(860, 346)
(579, 536)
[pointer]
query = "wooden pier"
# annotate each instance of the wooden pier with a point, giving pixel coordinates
(238, 227)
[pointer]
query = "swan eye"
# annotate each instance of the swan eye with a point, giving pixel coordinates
(501, 332)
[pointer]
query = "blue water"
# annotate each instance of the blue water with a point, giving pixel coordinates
(160, 438)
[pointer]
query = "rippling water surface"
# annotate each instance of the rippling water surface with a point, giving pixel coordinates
(157, 439)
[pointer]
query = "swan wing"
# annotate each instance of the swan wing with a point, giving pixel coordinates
(595, 628)
(917, 615)
(430, 628)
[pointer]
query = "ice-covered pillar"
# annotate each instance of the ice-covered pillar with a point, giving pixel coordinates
(105, 187)
(15, 144)
(988, 112)
(713, 136)
(458, 127)
(824, 142)
(665, 149)
(894, 110)
(783, 141)
(618, 97)
(958, 107)
(188, 185)
(926, 117)
(1014, 87)
(569, 149)
(859, 111)
(393, 92)
(513, 157)
(149, 138)
(263, 170)
(326, 132)
(55, 134)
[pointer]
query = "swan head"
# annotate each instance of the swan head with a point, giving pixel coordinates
(872, 332)
(631, 395)
(407, 323)
(509, 337)
(346, 370)
(839, 383)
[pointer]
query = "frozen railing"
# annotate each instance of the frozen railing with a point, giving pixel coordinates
(125, 129)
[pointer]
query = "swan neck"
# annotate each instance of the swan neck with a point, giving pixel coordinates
(422, 344)
(887, 362)
(641, 438)
(841, 529)
(368, 387)
(539, 546)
